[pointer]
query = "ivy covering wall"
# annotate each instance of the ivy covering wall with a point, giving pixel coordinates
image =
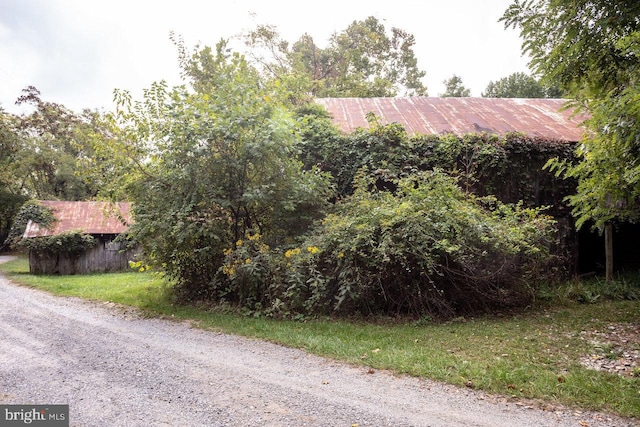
(509, 167)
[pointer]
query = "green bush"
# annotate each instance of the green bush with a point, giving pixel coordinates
(428, 249)
(271, 282)
(249, 270)
(69, 242)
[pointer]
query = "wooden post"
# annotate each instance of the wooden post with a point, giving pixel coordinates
(608, 247)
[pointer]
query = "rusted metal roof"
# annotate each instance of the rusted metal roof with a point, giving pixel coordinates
(431, 115)
(88, 217)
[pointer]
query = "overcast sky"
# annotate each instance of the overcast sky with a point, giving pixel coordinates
(76, 52)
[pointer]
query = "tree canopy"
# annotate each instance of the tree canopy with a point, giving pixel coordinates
(364, 60)
(11, 198)
(213, 166)
(590, 48)
(454, 88)
(55, 157)
(47, 153)
(519, 85)
(578, 44)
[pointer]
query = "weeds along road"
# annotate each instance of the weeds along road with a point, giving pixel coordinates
(117, 369)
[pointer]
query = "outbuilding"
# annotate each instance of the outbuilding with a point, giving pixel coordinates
(539, 119)
(103, 221)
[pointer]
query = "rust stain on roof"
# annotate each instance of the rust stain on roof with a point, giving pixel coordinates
(430, 115)
(88, 217)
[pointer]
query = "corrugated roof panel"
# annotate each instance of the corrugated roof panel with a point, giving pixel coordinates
(429, 115)
(89, 217)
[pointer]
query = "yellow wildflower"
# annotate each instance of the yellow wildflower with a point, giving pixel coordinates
(264, 248)
(292, 252)
(229, 270)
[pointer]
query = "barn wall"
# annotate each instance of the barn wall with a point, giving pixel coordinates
(106, 256)
(42, 262)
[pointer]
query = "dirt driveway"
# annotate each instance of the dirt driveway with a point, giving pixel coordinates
(117, 369)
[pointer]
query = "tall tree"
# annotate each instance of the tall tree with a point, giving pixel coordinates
(591, 49)
(11, 198)
(48, 153)
(214, 165)
(364, 60)
(576, 44)
(519, 85)
(52, 141)
(454, 88)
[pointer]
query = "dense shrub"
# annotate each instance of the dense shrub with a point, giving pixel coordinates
(428, 249)
(70, 243)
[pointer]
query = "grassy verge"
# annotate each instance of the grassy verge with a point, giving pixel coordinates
(535, 355)
(139, 290)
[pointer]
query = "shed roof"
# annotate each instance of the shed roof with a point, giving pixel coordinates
(88, 217)
(431, 115)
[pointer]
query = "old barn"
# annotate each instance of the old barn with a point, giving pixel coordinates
(101, 220)
(539, 119)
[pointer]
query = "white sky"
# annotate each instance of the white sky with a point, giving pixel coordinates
(76, 52)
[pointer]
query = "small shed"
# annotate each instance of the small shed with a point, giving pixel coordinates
(104, 221)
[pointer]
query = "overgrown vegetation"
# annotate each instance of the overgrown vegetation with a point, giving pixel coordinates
(222, 167)
(509, 167)
(535, 354)
(591, 50)
(30, 211)
(226, 187)
(241, 200)
(221, 199)
(69, 243)
(429, 248)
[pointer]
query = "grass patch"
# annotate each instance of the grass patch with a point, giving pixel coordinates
(145, 291)
(535, 355)
(592, 290)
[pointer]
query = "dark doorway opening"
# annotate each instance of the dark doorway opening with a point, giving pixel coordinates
(626, 250)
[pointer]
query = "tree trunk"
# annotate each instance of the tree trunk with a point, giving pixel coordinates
(608, 246)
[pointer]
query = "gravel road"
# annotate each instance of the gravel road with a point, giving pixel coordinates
(115, 368)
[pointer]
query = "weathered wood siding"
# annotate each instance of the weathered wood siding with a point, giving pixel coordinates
(106, 256)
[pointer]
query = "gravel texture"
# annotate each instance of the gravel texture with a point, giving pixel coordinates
(115, 368)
